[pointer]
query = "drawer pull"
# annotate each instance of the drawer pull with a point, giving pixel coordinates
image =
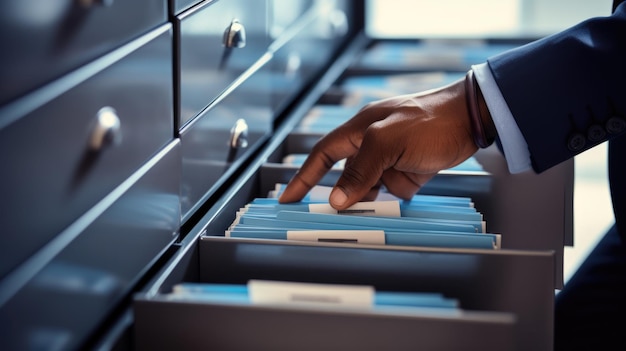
(107, 130)
(338, 23)
(293, 65)
(239, 135)
(235, 35)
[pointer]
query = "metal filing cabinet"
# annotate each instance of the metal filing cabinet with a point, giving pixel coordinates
(91, 166)
(131, 133)
(75, 140)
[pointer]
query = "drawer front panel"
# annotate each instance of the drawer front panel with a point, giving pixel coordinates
(208, 153)
(321, 30)
(61, 304)
(49, 153)
(179, 6)
(207, 66)
(42, 39)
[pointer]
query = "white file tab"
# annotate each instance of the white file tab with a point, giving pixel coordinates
(372, 237)
(365, 208)
(331, 295)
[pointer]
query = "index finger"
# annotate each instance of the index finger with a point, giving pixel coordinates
(330, 149)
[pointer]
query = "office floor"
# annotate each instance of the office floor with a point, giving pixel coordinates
(593, 213)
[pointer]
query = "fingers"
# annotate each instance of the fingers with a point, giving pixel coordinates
(333, 147)
(372, 194)
(364, 170)
(404, 185)
(368, 159)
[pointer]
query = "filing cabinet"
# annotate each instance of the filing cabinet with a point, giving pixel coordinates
(91, 165)
(127, 154)
(75, 140)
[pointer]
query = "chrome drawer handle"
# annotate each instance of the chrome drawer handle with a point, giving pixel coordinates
(338, 22)
(235, 35)
(239, 135)
(293, 64)
(107, 130)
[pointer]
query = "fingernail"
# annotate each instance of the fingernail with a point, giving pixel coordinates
(338, 197)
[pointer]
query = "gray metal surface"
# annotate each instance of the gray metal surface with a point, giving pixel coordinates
(197, 326)
(517, 282)
(312, 42)
(50, 175)
(208, 158)
(68, 289)
(42, 40)
(206, 68)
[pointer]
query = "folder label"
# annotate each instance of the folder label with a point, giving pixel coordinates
(365, 208)
(274, 292)
(374, 237)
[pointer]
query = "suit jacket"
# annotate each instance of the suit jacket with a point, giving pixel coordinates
(567, 93)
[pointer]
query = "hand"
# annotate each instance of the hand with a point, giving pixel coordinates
(400, 142)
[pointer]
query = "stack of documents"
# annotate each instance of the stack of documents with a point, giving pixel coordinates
(283, 293)
(425, 220)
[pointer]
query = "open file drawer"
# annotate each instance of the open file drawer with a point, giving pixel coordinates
(509, 201)
(506, 295)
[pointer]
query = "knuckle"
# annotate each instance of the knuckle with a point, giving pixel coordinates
(354, 177)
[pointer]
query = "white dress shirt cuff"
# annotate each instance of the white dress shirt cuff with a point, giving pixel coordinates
(513, 143)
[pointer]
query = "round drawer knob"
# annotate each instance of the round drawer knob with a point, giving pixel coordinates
(107, 130)
(239, 135)
(235, 35)
(293, 64)
(338, 22)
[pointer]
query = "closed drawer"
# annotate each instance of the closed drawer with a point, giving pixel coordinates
(221, 137)
(207, 66)
(95, 264)
(52, 172)
(310, 44)
(43, 39)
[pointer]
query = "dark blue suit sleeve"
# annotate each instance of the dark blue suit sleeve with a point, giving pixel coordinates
(567, 92)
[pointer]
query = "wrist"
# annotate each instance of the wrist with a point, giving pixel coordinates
(483, 128)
